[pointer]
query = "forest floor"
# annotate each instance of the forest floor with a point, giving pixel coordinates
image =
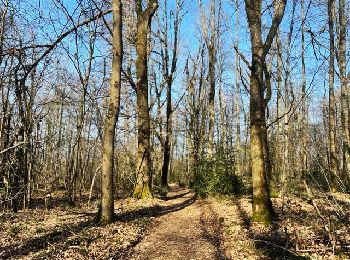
(181, 226)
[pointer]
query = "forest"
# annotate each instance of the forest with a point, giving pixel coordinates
(174, 129)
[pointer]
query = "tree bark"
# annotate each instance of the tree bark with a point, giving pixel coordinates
(143, 166)
(107, 198)
(344, 92)
(169, 81)
(331, 100)
(262, 205)
(304, 111)
(238, 101)
(210, 42)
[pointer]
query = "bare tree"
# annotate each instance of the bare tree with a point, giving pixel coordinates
(143, 166)
(344, 90)
(333, 164)
(210, 43)
(262, 205)
(169, 78)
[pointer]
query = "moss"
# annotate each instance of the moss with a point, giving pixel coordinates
(262, 210)
(142, 191)
(163, 190)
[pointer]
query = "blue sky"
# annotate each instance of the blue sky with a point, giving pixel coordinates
(38, 11)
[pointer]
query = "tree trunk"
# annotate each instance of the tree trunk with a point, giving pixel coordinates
(331, 101)
(143, 161)
(286, 118)
(262, 205)
(210, 42)
(238, 101)
(344, 92)
(304, 112)
(107, 198)
(168, 134)
(169, 80)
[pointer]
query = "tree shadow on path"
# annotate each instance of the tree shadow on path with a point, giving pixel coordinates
(212, 229)
(177, 196)
(270, 241)
(33, 245)
(154, 211)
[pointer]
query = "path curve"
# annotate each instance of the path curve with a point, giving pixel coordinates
(190, 233)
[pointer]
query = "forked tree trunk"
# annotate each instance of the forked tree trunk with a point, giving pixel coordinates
(262, 205)
(107, 199)
(143, 160)
(169, 81)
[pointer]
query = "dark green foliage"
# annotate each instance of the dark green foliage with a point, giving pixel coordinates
(217, 176)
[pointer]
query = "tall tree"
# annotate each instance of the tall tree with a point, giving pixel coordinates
(344, 90)
(303, 95)
(238, 97)
(107, 199)
(262, 205)
(210, 42)
(169, 78)
(143, 165)
(331, 99)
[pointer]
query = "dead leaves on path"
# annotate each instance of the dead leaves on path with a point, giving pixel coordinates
(224, 224)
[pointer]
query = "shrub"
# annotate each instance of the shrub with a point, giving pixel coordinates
(216, 176)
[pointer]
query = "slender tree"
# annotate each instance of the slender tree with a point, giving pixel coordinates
(344, 91)
(303, 96)
(107, 199)
(262, 205)
(331, 99)
(210, 42)
(169, 78)
(238, 97)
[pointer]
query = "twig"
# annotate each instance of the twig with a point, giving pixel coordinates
(16, 145)
(242, 56)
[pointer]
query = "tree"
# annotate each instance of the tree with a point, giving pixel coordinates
(107, 198)
(333, 164)
(143, 164)
(262, 205)
(237, 94)
(169, 78)
(210, 43)
(344, 91)
(304, 132)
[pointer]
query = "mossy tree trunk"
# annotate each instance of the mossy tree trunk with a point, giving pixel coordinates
(262, 205)
(143, 164)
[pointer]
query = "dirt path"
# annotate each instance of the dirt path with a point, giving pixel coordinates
(179, 226)
(192, 232)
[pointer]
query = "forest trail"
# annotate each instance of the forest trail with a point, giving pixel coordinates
(178, 226)
(190, 233)
(191, 228)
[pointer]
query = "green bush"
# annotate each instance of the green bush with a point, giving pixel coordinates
(216, 176)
